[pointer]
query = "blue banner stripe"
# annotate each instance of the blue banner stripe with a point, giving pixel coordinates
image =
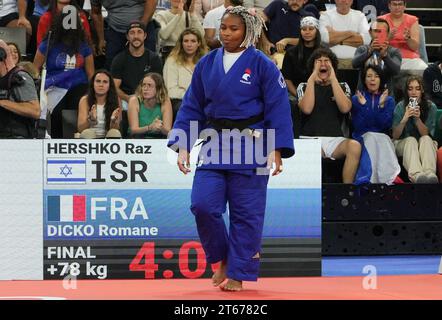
(66, 179)
(53, 208)
(66, 161)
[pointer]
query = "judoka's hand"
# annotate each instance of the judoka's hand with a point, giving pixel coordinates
(184, 161)
(275, 158)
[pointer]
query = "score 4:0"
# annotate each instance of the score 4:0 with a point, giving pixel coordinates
(149, 266)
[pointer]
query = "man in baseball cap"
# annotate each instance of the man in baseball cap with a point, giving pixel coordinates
(130, 65)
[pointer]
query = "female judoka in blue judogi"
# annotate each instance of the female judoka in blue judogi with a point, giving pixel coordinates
(238, 103)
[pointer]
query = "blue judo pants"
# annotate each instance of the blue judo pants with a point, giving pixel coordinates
(246, 194)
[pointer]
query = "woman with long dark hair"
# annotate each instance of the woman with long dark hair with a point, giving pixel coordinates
(70, 65)
(294, 66)
(99, 112)
(372, 117)
(414, 124)
(56, 8)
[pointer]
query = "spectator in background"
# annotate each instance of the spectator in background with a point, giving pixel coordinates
(150, 109)
(13, 15)
(173, 22)
(204, 6)
(372, 8)
(257, 4)
(283, 19)
(312, 9)
(163, 4)
(15, 52)
(404, 35)
(414, 124)
(130, 65)
(295, 60)
(433, 80)
(344, 29)
(324, 102)
(40, 7)
(19, 107)
(99, 112)
(380, 53)
(55, 9)
(120, 14)
(212, 22)
(70, 65)
(180, 64)
(372, 117)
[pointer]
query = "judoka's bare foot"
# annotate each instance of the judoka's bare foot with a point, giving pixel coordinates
(220, 275)
(232, 285)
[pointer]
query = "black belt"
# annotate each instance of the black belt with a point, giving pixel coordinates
(219, 124)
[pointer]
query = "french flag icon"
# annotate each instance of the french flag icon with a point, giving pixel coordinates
(67, 208)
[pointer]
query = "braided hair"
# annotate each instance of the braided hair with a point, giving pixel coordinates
(252, 21)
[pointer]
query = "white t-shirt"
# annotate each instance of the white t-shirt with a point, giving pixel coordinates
(7, 7)
(230, 58)
(353, 21)
(212, 20)
(100, 127)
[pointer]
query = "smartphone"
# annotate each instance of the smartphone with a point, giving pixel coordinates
(413, 102)
(382, 36)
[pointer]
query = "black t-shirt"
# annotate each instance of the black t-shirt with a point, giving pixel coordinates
(284, 22)
(294, 69)
(325, 119)
(132, 69)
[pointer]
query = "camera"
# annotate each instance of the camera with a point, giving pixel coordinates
(413, 102)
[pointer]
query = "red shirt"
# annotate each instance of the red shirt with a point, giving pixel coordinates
(45, 24)
(399, 40)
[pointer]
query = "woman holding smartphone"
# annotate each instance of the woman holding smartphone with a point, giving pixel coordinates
(414, 122)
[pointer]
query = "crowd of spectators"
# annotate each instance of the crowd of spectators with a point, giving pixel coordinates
(146, 51)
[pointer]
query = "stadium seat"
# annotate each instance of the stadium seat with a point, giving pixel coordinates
(69, 123)
(422, 44)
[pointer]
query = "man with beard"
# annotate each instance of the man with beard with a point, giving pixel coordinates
(324, 102)
(129, 66)
(111, 40)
